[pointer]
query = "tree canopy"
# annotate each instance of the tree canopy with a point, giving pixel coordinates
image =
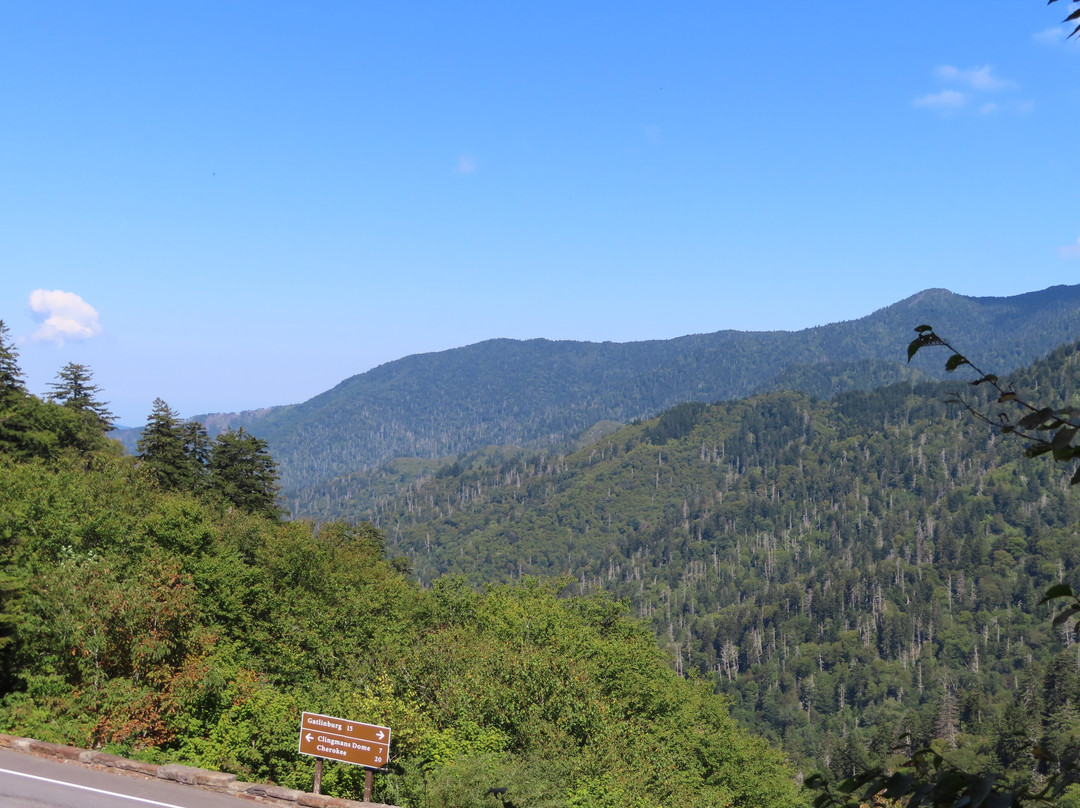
(164, 452)
(243, 472)
(145, 618)
(11, 375)
(75, 390)
(1049, 429)
(30, 427)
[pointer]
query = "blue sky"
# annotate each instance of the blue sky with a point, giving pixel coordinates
(237, 204)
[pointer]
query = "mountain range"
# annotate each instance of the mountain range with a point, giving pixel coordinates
(547, 394)
(861, 574)
(856, 565)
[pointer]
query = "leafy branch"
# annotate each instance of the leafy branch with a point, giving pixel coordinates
(927, 778)
(1047, 430)
(1074, 16)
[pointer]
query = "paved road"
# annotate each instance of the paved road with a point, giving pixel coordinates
(27, 781)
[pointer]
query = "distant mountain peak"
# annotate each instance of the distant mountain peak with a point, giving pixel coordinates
(545, 393)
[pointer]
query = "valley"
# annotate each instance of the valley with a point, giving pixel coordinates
(851, 574)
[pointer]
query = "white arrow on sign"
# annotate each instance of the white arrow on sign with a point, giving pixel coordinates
(309, 737)
(380, 734)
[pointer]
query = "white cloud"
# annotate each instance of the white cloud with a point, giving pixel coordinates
(946, 99)
(466, 164)
(967, 86)
(1070, 252)
(63, 316)
(1051, 37)
(977, 78)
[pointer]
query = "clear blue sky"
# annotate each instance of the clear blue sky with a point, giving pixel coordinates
(247, 202)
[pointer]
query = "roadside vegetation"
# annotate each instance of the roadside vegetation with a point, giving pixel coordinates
(175, 617)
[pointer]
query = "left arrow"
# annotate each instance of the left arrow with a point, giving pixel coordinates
(308, 737)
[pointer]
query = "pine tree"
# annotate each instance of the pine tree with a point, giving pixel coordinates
(75, 390)
(26, 427)
(11, 376)
(197, 447)
(243, 472)
(163, 449)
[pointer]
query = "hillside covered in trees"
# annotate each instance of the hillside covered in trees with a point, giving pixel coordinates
(158, 615)
(544, 394)
(855, 573)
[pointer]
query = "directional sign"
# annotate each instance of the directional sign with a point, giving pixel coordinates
(344, 739)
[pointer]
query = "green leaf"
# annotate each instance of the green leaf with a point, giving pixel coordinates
(1036, 449)
(1057, 591)
(955, 361)
(898, 785)
(1034, 419)
(922, 341)
(989, 377)
(1066, 453)
(1064, 615)
(1063, 437)
(847, 786)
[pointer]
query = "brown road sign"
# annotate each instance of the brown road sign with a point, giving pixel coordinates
(343, 739)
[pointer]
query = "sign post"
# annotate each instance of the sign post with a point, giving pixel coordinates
(330, 738)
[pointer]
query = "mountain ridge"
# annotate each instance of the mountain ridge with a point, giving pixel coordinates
(843, 568)
(542, 393)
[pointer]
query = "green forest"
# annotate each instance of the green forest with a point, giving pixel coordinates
(544, 394)
(156, 607)
(700, 609)
(860, 575)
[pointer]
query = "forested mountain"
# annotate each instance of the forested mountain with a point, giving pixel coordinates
(162, 619)
(855, 573)
(848, 570)
(542, 394)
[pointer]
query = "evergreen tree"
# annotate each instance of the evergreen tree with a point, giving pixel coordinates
(12, 393)
(197, 447)
(163, 448)
(11, 376)
(75, 390)
(28, 426)
(243, 472)
(12, 428)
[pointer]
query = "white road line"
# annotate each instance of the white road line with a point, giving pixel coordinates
(95, 790)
